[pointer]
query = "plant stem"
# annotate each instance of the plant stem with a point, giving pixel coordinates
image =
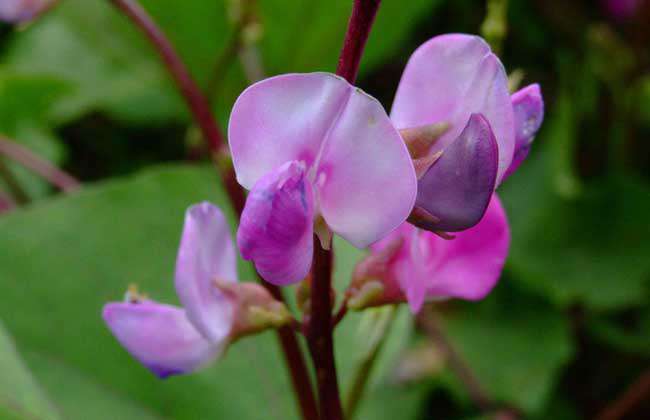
(431, 325)
(361, 20)
(634, 395)
(55, 176)
(19, 194)
(319, 335)
(200, 110)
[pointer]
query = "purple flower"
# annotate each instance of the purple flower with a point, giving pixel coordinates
(416, 265)
(17, 11)
(314, 149)
(169, 340)
(457, 80)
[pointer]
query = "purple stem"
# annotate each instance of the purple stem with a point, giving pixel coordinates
(42, 167)
(363, 16)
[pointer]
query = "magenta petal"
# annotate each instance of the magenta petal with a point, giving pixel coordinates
(281, 119)
(15, 11)
(528, 107)
(160, 337)
(366, 183)
(206, 253)
(458, 187)
(449, 78)
(470, 265)
(276, 225)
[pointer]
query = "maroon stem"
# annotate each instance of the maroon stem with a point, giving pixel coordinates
(319, 335)
(199, 106)
(42, 167)
(363, 16)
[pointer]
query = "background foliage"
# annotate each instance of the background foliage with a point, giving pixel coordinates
(564, 333)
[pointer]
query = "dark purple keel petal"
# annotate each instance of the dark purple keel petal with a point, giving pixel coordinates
(160, 337)
(457, 188)
(528, 107)
(276, 225)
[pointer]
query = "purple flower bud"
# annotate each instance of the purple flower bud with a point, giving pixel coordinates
(169, 340)
(528, 107)
(457, 188)
(276, 226)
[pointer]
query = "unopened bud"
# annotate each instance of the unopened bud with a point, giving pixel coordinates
(255, 309)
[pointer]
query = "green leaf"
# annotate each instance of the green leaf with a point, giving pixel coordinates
(21, 398)
(592, 249)
(515, 345)
(69, 256)
(115, 69)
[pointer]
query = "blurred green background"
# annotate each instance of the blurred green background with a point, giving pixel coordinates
(563, 336)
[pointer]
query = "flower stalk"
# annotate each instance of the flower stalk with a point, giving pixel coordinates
(319, 336)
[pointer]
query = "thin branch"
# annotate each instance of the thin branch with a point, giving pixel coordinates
(431, 326)
(187, 86)
(319, 335)
(340, 314)
(361, 20)
(55, 176)
(200, 109)
(19, 194)
(635, 394)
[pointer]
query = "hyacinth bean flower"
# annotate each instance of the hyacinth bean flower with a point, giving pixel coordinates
(17, 11)
(455, 79)
(416, 265)
(317, 154)
(170, 340)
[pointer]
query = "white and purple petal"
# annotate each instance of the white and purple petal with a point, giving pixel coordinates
(365, 180)
(206, 253)
(449, 78)
(160, 337)
(276, 226)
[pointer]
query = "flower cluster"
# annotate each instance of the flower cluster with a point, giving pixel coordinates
(321, 157)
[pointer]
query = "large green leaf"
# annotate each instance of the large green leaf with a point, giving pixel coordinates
(591, 249)
(110, 64)
(21, 398)
(515, 345)
(63, 260)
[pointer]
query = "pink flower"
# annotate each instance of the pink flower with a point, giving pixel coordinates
(313, 148)
(415, 265)
(169, 340)
(456, 79)
(16, 11)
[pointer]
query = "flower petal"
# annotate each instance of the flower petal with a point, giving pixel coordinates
(458, 187)
(528, 107)
(449, 78)
(206, 253)
(15, 11)
(276, 225)
(281, 119)
(366, 181)
(160, 337)
(470, 265)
